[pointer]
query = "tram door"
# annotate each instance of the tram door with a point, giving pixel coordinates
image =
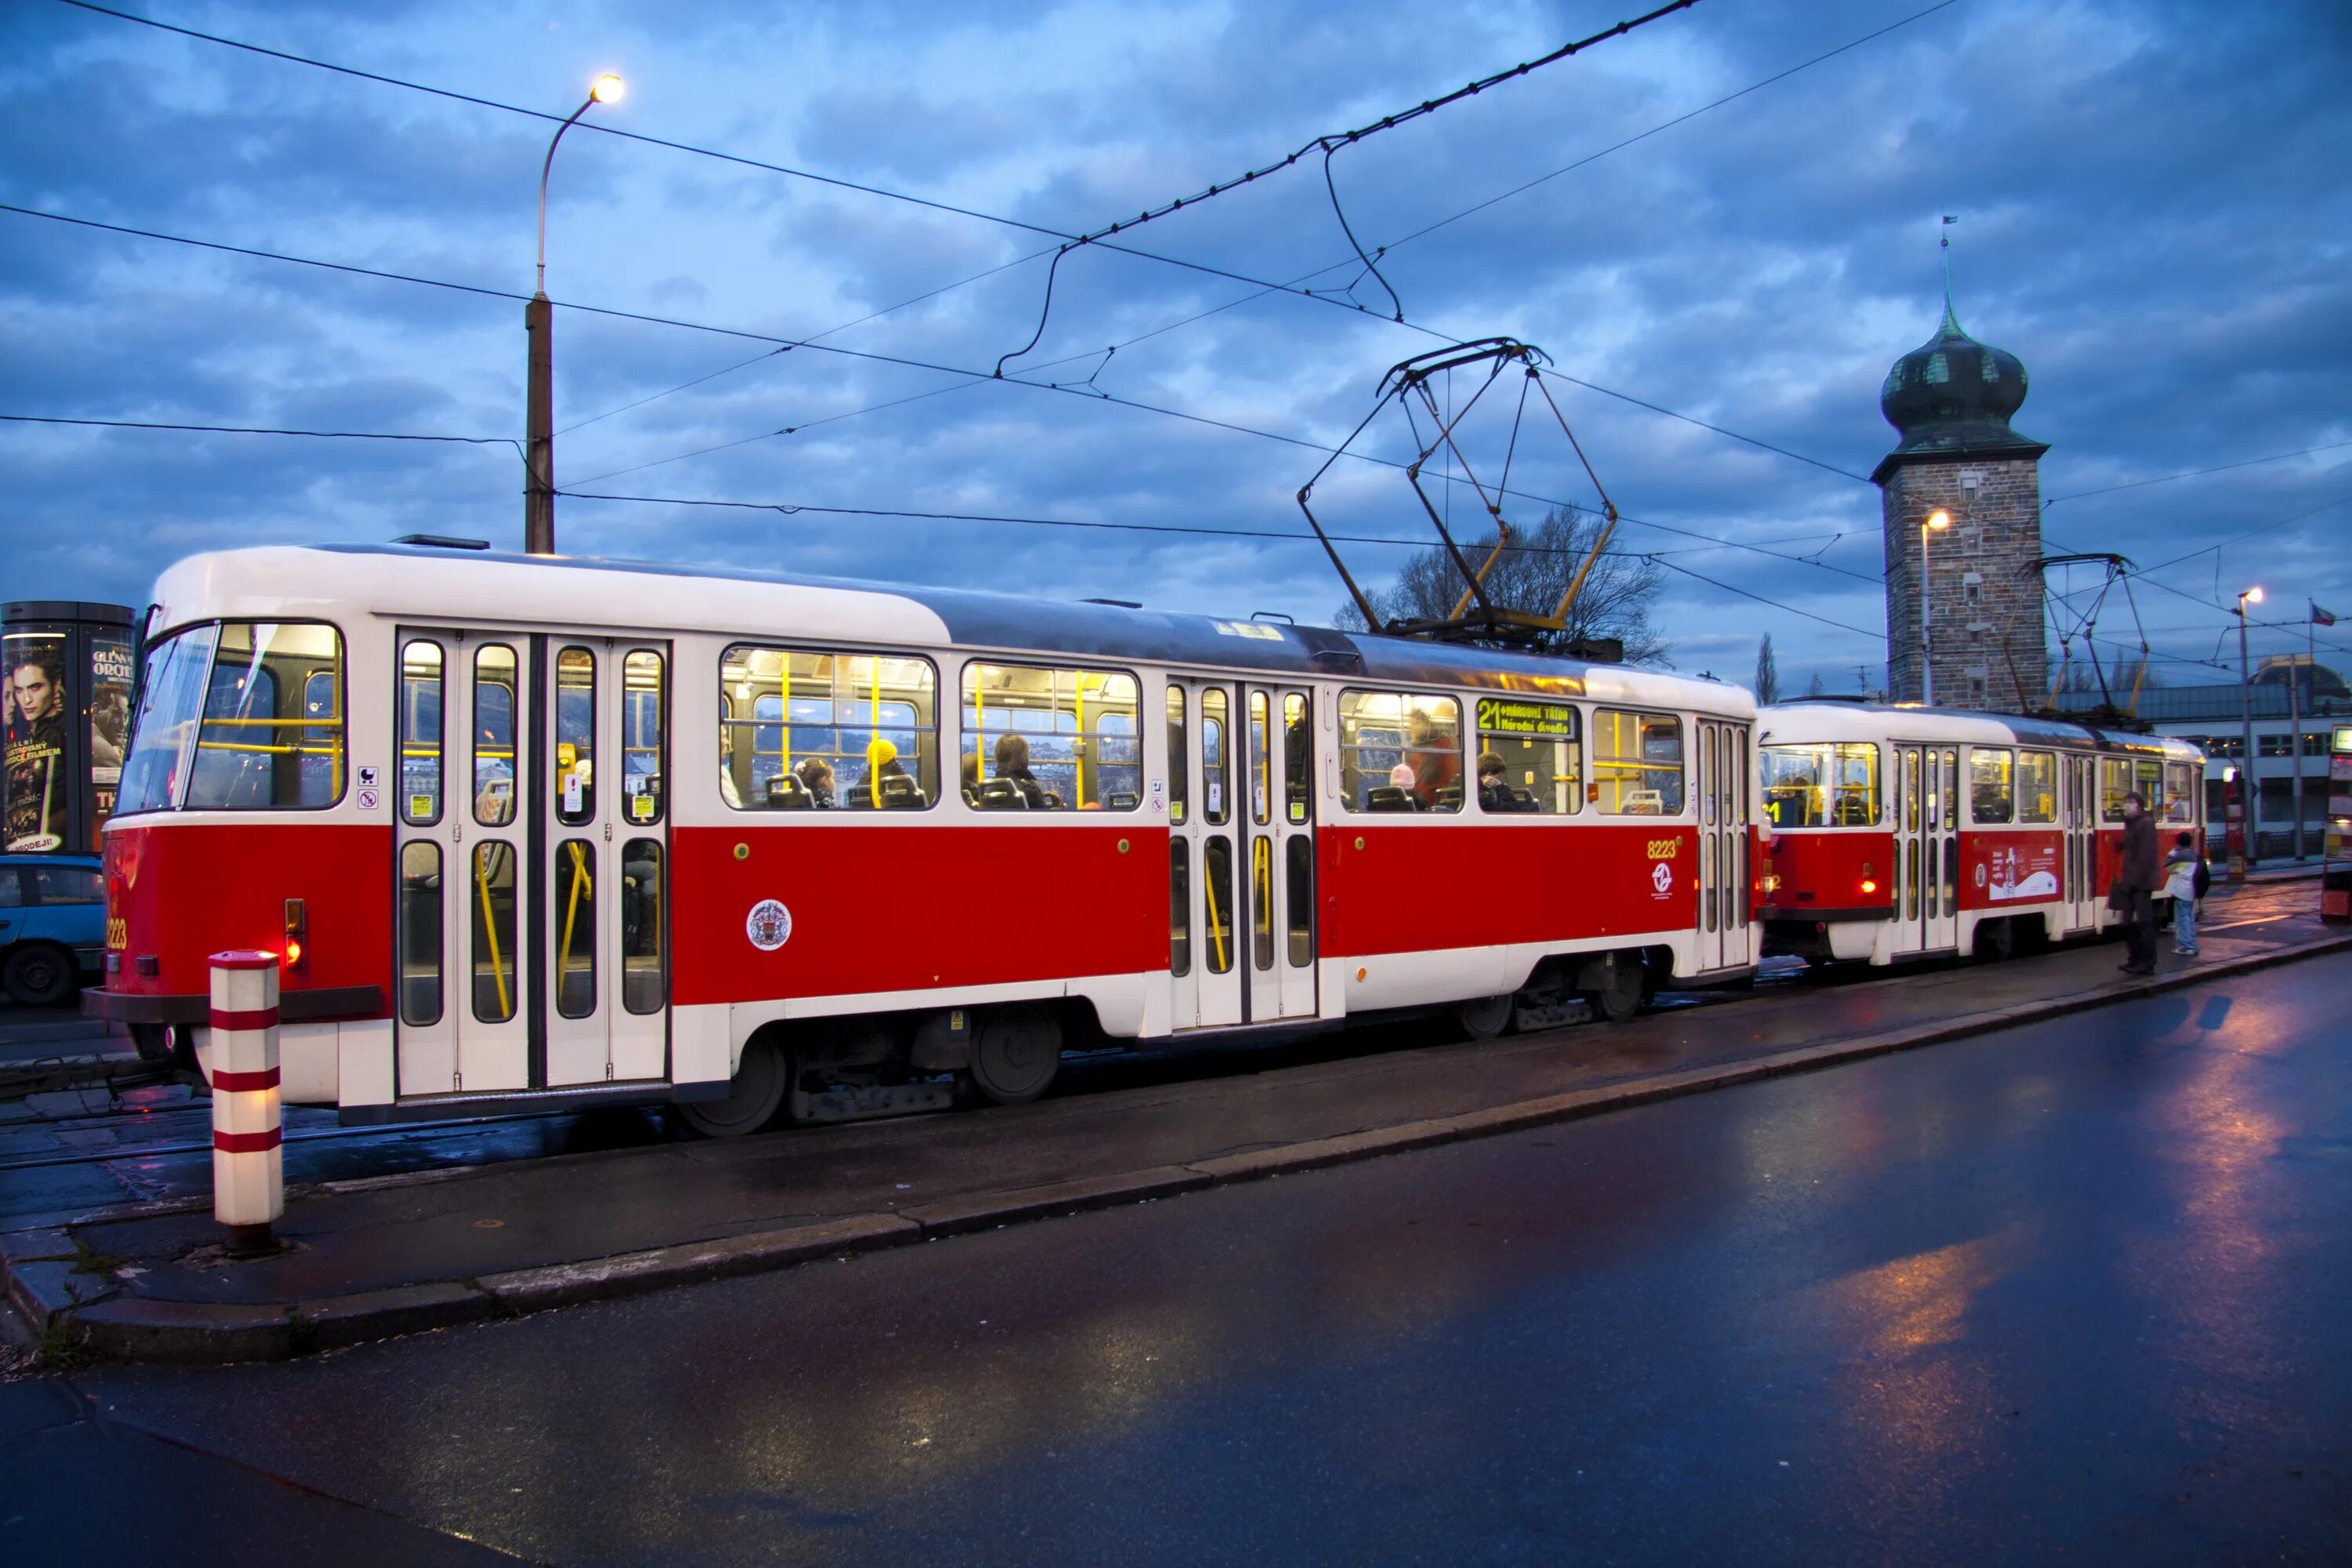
(1723, 902)
(532, 933)
(1926, 848)
(1278, 750)
(2081, 820)
(1205, 925)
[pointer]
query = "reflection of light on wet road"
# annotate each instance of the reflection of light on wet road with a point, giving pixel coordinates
(1914, 1399)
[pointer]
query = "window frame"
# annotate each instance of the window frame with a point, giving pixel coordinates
(728, 722)
(1977, 817)
(193, 743)
(967, 687)
(1342, 718)
(1680, 766)
(2034, 816)
(1578, 779)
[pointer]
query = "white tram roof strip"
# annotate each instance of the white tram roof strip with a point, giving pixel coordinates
(425, 586)
(1808, 723)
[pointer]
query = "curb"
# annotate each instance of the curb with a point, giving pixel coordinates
(48, 1282)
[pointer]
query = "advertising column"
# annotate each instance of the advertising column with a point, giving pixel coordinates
(66, 672)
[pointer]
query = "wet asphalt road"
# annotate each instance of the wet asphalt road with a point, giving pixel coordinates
(2080, 1292)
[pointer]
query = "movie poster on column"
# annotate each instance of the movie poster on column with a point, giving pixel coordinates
(111, 666)
(35, 783)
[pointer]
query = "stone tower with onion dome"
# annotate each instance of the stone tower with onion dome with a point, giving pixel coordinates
(1951, 398)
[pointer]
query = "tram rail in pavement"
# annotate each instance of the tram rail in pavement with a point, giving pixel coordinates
(376, 1256)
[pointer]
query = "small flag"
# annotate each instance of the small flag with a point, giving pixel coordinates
(2320, 617)
(1951, 217)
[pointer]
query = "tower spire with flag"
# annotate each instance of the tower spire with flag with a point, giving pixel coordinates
(2320, 617)
(1950, 220)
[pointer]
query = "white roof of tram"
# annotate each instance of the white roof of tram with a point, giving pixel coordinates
(1813, 722)
(428, 585)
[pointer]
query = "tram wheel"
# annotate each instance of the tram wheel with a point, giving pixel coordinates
(752, 1099)
(1485, 1017)
(1620, 997)
(1016, 1056)
(39, 975)
(1995, 940)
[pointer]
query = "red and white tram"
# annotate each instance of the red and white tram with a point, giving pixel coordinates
(1900, 832)
(534, 831)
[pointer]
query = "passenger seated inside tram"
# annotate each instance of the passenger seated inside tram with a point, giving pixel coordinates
(1013, 766)
(972, 779)
(816, 777)
(1494, 793)
(1395, 795)
(887, 784)
(1435, 760)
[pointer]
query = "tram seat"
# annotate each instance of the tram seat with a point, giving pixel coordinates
(1450, 798)
(900, 792)
(997, 794)
(1389, 797)
(787, 792)
(1122, 800)
(1853, 810)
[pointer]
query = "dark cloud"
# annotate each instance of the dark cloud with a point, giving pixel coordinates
(2152, 219)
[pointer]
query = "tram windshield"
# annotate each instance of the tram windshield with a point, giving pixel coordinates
(1822, 786)
(238, 716)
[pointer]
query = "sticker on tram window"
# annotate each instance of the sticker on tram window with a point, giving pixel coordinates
(1504, 715)
(768, 925)
(364, 777)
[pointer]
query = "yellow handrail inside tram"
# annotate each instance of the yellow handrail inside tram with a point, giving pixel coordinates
(491, 932)
(788, 712)
(1217, 921)
(1261, 882)
(874, 733)
(571, 907)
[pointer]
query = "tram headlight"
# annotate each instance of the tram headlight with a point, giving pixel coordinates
(298, 925)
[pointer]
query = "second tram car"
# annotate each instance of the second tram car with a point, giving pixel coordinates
(1900, 832)
(532, 831)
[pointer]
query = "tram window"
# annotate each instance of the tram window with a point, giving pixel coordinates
(645, 966)
(1061, 738)
(800, 730)
(642, 707)
(1261, 760)
(1822, 786)
(1298, 758)
(492, 916)
(2179, 795)
(2148, 777)
(1179, 907)
(1534, 751)
(420, 933)
(1179, 759)
(1262, 900)
(1300, 867)
(494, 735)
(2114, 782)
(2037, 787)
(1216, 802)
(1951, 790)
(1991, 770)
(420, 733)
(1637, 762)
(576, 736)
(271, 736)
(576, 915)
(1217, 871)
(1381, 732)
(170, 698)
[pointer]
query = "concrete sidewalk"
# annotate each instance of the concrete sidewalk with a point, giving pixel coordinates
(392, 1255)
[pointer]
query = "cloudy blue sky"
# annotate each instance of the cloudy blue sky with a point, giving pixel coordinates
(2154, 218)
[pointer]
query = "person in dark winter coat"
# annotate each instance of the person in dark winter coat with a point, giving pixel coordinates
(2133, 892)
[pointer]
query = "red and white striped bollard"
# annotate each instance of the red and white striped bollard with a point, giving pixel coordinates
(249, 1158)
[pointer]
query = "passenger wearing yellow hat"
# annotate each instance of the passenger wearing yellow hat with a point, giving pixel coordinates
(881, 762)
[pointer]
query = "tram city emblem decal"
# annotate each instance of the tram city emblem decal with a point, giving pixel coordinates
(1662, 876)
(768, 925)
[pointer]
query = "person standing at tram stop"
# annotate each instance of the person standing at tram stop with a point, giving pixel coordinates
(2184, 868)
(2133, 892)
(1436, 759)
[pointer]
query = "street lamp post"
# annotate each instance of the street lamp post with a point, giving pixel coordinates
(1935, 522)
(2250, 792)
(538, 325)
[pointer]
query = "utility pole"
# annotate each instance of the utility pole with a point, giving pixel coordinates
(539, 326)
(2250, 793)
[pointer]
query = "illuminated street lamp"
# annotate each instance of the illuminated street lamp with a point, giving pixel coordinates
(2250, 789)
(1935, 522)
(537, 322)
